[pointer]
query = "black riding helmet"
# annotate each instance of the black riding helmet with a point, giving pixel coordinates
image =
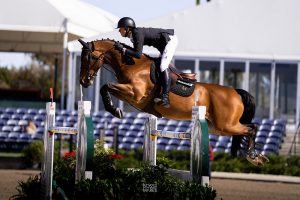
(126, 22)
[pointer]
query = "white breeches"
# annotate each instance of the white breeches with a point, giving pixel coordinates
(168, 53)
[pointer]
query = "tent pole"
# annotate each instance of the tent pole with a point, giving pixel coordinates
(63, 76)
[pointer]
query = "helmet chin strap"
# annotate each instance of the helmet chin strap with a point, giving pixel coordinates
(127, 32)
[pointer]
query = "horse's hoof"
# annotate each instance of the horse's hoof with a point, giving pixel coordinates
(263, 158)
(256, 161)
(118, 113)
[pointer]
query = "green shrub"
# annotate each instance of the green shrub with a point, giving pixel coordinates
(33, 153)
(111, 182)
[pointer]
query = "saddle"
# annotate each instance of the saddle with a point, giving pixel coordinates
(182, 84)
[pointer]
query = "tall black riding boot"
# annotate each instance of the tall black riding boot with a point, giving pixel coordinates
(166, 83)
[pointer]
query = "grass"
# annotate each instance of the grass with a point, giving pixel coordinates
(10, 154)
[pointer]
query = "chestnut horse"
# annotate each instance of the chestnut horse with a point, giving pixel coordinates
(227, 108)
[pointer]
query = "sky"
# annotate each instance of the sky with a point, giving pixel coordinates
(139, 10)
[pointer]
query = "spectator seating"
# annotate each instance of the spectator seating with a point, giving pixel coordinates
(269, 137)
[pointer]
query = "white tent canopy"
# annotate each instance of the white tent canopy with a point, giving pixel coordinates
(259, 29)
(251, 29)
(40, 25)
(45, 26)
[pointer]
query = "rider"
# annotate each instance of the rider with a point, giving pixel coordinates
(163, 40)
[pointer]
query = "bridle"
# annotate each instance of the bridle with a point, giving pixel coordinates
(99, 58)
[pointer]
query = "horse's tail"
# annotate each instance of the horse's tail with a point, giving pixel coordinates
(248, 115)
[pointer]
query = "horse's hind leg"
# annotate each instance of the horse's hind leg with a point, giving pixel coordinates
(252, 156)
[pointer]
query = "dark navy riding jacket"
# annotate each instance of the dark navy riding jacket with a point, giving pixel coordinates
(155, 37)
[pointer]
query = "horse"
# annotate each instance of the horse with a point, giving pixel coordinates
(229, 111)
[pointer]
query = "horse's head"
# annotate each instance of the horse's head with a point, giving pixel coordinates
(92, 58)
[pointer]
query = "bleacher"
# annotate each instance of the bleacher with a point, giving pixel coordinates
(13, 136)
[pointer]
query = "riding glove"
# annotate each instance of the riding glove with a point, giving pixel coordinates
(118, 46)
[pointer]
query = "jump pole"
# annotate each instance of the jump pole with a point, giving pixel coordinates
(85, 145)
(199, 161)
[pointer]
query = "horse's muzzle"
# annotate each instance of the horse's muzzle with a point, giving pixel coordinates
(86, 83)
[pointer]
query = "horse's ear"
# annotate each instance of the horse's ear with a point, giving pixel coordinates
(84, 44)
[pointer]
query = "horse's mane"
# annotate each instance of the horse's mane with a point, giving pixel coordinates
(125, 45)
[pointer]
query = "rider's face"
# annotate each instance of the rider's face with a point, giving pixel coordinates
(122, 31)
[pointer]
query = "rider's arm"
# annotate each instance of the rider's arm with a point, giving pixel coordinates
(138, 42)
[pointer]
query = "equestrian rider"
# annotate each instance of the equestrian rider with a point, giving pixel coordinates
(163, 40)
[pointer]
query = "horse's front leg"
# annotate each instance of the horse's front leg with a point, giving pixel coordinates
(108, 103)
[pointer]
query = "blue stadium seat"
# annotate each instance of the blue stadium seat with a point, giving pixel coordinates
(269, 149)
(141, 134)
(139, 121)
(213, 137)
(109, 133)
(180, 129)
(136, 146)
(59, 118)
(74, 113)
(7, 129)
(221, 145)
(183, 148)
(122, 133)
(10, 111)
(224, 139)
(17, 129)
(260, 140)
(128, 140)
(162, 121)
(185, 143)
(267, 122)
(37, 136)
(264, 127)
(32, 111)
(136, 127)
(12, 122)
(184, 123)
(170, 147)
(276, 135)
(2, 123)
(264, 134)
(163, 141)
(72, 119)
(170, 128)
(42, 111)
(172, 122)
(130, 115)
(142, 115)
(274, 141)
(5, 116)
(161, 146)
(27, 117)
(174, 142)
(21, 111)
(138, 140)
(39, 118)
(40, 130)
(64, 113)
(219, 149)
(12, 137)
(16, 117)
(131, 133)
(24, 138)
(3, 136)
(124, 146)
(256, 121)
